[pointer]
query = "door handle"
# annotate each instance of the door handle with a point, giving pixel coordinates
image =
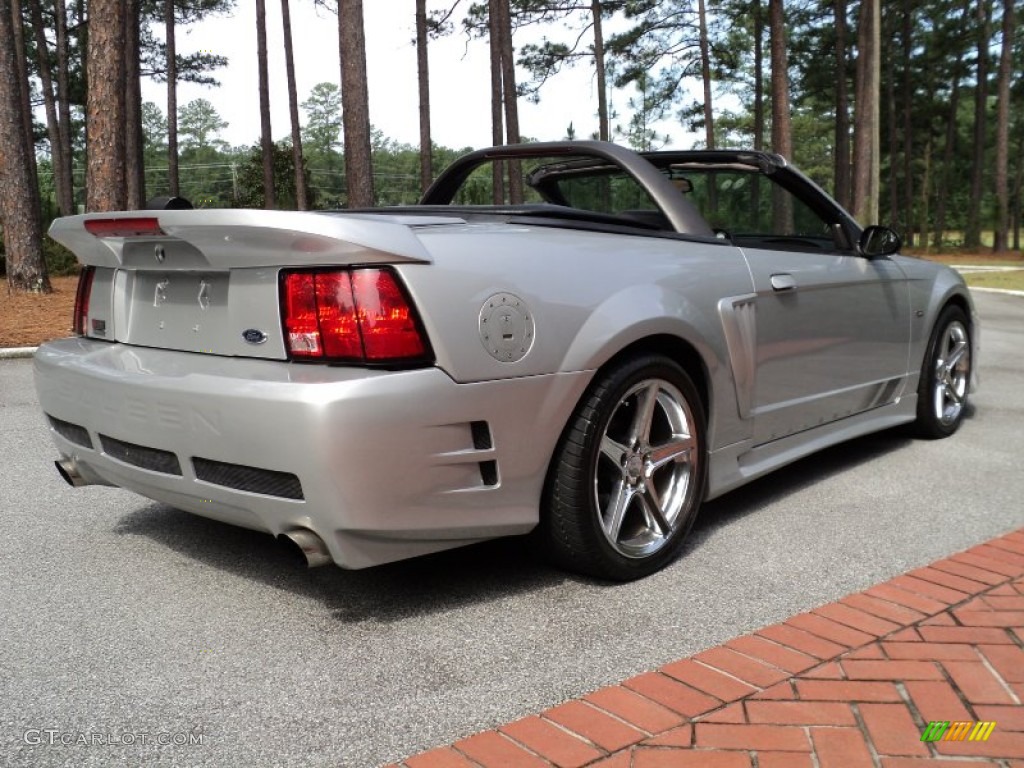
(783, 282)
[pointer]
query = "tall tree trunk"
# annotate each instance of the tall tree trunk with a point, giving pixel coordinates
(135, 176)
(782, 133)
(758, 75)
(497, 123)
(705, 73)
(301, 197)
(64, 105)
(893, 115)
(355, 104)
(972, 233)
(908, 119)
(1001, 241)
(604, 188)
(947, 154)
(423, 78)
(1018, 194)
(104, 119)
(758, 99)
(60, 183)
(174, 188)
(866, 161)
(599, 67)
(925, 192)
(19, 197)
(842, 141)
(21, 73)
(82, 26)
(709, 116)
(947, 164)
(511, 96)
(266, 136)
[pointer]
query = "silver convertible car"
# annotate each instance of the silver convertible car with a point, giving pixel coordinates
(636, 334)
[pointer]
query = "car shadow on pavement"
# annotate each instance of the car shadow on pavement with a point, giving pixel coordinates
(421, 586)
(786, 481)
(478, 573)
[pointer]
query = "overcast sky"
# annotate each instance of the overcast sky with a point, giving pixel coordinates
(459, 77)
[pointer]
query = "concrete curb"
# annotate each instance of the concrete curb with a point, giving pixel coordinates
(14, 353)
(984, 268)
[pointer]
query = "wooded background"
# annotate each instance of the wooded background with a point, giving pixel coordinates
(911, 112)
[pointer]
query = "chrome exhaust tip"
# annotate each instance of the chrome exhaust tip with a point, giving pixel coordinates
(310, 545)
(68, 469)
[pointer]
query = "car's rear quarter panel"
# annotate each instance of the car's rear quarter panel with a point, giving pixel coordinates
(591, 296)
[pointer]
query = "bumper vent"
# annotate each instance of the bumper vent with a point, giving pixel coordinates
(252, 479)
(71, 432)
(489, 472)
(152, 459)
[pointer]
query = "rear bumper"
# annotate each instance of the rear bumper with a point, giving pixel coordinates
(382, 465)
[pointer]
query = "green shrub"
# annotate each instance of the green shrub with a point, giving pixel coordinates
(59, 260)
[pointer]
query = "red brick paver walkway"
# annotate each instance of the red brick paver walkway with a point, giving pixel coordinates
(849, 685)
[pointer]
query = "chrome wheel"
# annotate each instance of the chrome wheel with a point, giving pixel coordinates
(951, 373)
(643, 481)
(628, 474)
(945, 376)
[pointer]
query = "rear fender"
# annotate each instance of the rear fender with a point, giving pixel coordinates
(640, 312)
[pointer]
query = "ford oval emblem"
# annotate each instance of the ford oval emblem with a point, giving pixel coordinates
(254, 335)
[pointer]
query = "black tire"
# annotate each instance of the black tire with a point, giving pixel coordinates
(942, 391)
(657, 479)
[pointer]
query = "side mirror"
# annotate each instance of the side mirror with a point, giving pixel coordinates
(878, 241)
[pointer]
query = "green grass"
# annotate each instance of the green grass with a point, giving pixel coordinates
(973, 259)
(1013, 281)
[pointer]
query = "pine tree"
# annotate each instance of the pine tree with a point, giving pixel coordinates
(19, 200)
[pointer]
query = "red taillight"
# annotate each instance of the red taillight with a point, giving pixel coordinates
(336, 309)
(361, 315)
(81, 317)
(301, 328)
(125, 227)
(386, 318)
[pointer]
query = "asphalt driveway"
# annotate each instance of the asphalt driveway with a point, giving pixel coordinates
(127, 624)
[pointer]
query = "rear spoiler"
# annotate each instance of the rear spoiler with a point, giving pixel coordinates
(222, 239)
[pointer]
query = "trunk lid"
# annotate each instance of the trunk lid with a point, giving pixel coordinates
(207, 281)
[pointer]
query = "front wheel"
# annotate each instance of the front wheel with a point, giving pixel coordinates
(945, 376)
(628, 476)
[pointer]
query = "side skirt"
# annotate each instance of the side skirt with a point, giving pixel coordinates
(737, 464)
